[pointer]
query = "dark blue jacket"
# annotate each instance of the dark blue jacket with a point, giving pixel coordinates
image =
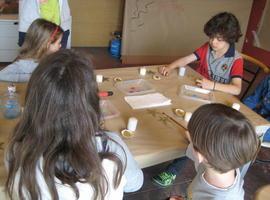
(259, 101)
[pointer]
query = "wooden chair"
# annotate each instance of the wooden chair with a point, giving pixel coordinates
(258, 65)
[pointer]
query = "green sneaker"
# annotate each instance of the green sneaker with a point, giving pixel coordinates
(164, 179)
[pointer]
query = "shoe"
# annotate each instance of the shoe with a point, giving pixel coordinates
(164, 179)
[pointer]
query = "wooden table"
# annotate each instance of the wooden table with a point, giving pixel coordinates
(157, 138)
(156, 141)
(263, 193)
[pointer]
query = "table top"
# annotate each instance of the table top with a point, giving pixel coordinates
(263, 193)
(9, 17)
(157, 138)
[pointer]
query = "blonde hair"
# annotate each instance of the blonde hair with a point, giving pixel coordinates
(40, 33)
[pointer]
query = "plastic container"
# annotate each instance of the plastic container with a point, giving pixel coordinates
(108, 110)
(197, 93)
(115, 47)
(11, 108)
(135, 87)
(115, 44)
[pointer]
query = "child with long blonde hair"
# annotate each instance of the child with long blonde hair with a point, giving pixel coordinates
(43, 37)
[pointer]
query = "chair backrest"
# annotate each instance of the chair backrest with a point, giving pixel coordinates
(253, 73)
(255, 61)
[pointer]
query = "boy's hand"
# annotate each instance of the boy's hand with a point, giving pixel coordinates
(205, 84)
(165, 70)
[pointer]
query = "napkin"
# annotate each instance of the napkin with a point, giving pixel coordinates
(147, 100)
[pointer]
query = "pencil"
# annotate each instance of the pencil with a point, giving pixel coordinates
(172, 119)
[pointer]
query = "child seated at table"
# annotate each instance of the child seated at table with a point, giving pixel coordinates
(259, 101)
(58, 149)
(222, 143)
(219, 63)
(43, 37)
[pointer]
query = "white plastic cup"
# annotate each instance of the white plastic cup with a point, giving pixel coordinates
(99, 78)
(142, 71)
(12, 88)
(182, 71)
(236, 106)
(132, 123)
(187, 116)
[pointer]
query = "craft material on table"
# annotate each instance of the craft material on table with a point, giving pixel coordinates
(127, 133)
(179, 112)
(117, 79)
(108, 110)
(147, 100)
(156, 77)
(142, 71)
(197, 93)
(132, 124)
(134, 87)
(99, 78)
(105, 93)
(236, 106)
(182, 71)
(172, 119)
(187, 116)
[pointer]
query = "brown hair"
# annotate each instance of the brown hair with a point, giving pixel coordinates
(59, 124)
(223, 136)
(225, 25)
(40, 33)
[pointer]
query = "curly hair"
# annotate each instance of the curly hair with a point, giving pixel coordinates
(225, 25)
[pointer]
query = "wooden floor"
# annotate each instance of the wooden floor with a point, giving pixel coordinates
(257, 176)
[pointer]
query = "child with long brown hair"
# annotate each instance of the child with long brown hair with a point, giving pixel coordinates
(58, 149)
(43, 37)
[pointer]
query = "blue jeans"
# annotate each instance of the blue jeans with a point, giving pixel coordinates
(63, 41)
(177, 165)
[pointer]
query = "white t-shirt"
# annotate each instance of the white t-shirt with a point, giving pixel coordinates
(19, 71)
(65, 192)
(132, 179)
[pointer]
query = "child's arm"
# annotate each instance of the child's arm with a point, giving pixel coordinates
(180, 62)
(234, 87)
(10, 73)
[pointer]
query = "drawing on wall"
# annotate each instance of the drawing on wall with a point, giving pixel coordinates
(158, 31)
(141, 8)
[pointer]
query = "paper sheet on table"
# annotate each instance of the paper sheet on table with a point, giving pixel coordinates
(147, 100)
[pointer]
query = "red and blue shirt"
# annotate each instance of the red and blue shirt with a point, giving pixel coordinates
(222, 69)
